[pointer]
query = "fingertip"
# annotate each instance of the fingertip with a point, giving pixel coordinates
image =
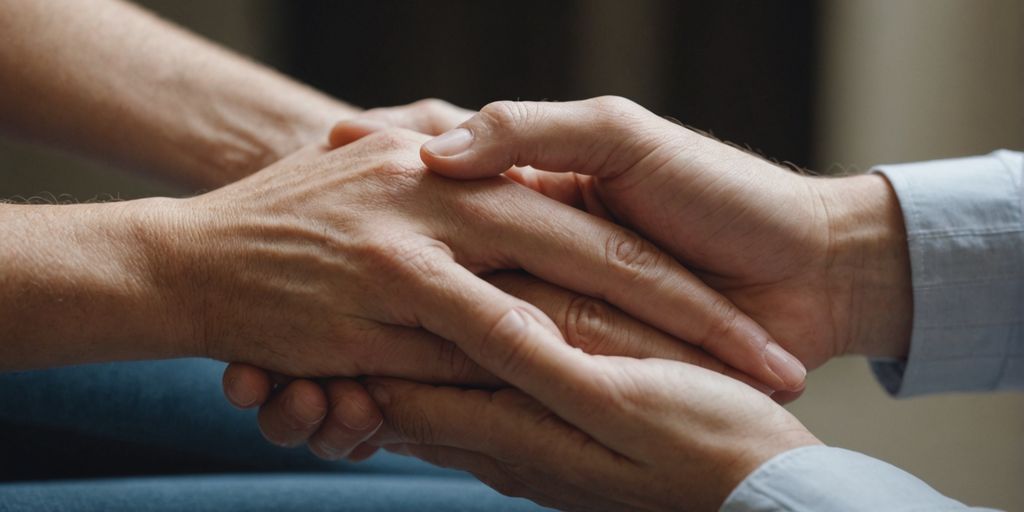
(353, 407)
(353, 418)
(362, 452)
(789, 370)
(306, 401)
(456, 154)
(246, 386)
(294, 414)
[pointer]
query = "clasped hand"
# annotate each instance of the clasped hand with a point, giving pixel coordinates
(578, 429)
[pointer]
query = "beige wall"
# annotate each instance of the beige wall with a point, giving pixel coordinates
(911, 80)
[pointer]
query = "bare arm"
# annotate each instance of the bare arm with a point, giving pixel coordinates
(87, 283)
(106, 78)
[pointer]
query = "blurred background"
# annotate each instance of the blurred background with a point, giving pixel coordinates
(831, 85)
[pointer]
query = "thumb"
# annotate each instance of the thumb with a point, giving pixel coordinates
(602, 137)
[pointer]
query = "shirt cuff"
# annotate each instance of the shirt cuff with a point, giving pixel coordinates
(965, 232)
(818, 478)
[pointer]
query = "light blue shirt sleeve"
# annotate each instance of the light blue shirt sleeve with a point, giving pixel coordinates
(965, 231)
(821, 478)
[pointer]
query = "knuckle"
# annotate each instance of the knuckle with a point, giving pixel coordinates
(414, 425)
(721, 324)
(631, 255)
(407, 259)
(587, 324)
(432, 105)
(509, 351)
(614, 105)
(461, 369)
(505, 115)
(391, 140)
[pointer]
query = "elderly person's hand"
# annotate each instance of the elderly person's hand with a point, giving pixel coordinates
(590, 432)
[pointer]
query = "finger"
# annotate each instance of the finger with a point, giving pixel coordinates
(292, 415)
(429, 116)
(600, 137)
(505, 424)
(534, 444)
(599, 328)
(351, 419)
(362, 452)
(411, 353)
(595, 257)
(246, 386)
(507, 336)
(573, 189)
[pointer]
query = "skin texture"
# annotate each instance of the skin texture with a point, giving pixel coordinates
(110, 80)
(347, 262)
(351, 251)
(821, 262)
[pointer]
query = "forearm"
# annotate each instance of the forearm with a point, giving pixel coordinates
(106, 78)
(87, 283)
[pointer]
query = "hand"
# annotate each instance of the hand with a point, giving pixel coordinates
(821, 263)
(295, 411)
(591, 432)
(334, 420)
(328, 262)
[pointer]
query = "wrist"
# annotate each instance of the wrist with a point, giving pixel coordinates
(163, 230)
(868, 271)
(81, 284)
(762, 449)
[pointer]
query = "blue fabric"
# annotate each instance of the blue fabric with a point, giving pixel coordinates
(158, 435)
(254, 493)
(965, 232)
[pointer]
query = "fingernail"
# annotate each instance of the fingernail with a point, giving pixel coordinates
(786, 367)
(379, 394)
(305, 411)
(357, 417)
(450, 143)
(240, 396)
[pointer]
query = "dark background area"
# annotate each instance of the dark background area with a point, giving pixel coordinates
(742, 69)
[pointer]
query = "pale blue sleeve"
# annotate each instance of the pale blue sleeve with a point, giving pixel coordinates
(965, 230)
(820, 478)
